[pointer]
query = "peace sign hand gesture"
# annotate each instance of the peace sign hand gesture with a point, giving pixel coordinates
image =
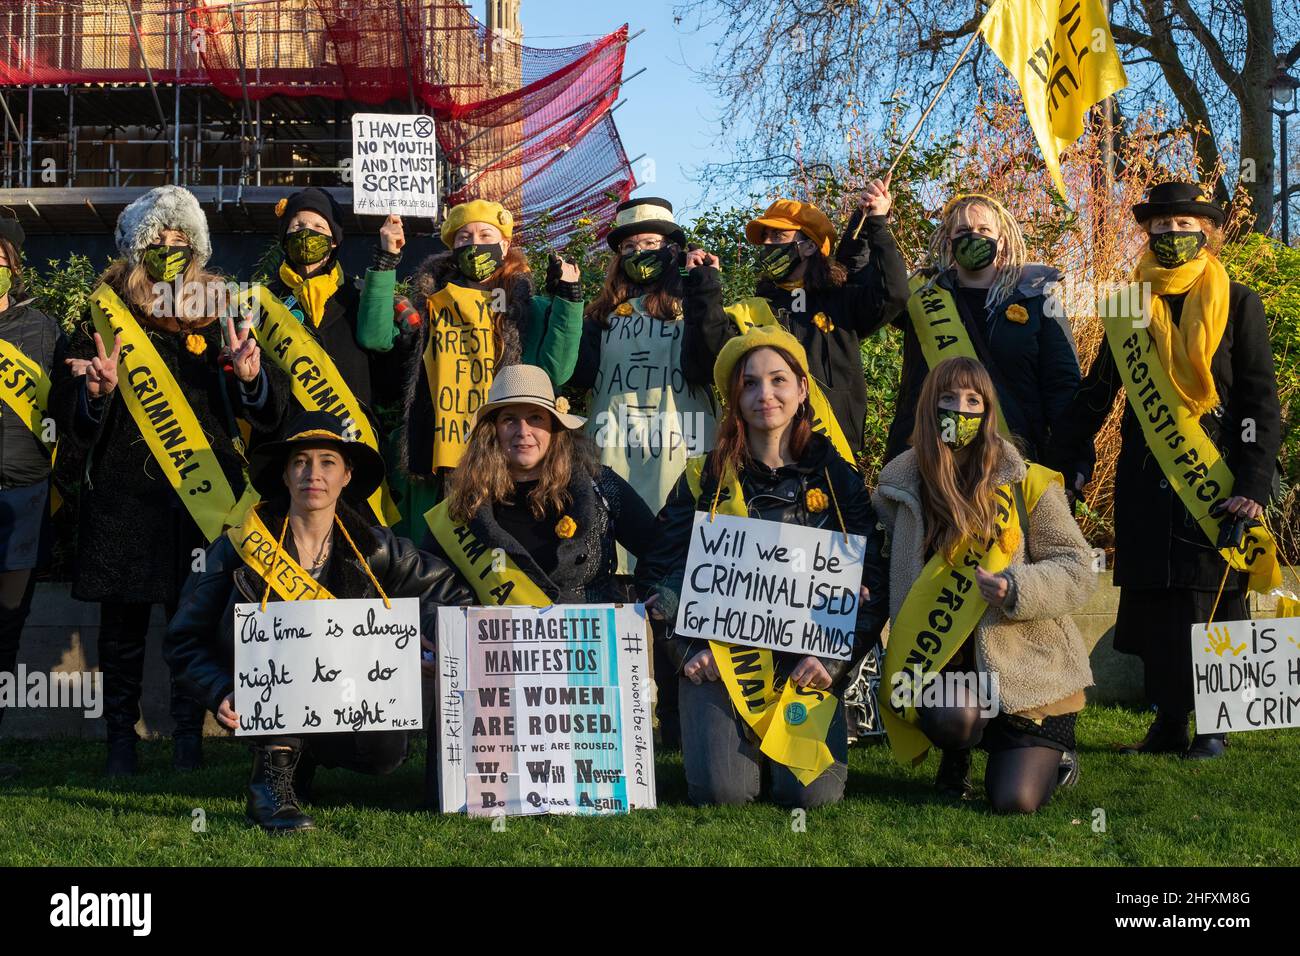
(245, 356)
(101, 371)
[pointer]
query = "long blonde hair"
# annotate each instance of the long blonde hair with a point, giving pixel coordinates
(1010, 261)
(139, 291)
(957, 493)
(483, 476)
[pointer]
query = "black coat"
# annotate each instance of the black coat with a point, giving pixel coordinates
(23, 458)
(772, 495)
(1034, 366)
(875, 293)
(200, 642)
(607, 510)
(135, 539)
(1158, 543)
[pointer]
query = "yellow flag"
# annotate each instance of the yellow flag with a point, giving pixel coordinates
(1063, 56)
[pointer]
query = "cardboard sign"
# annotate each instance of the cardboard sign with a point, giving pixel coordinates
(1246, 675)
(545, 710)
(782, 586)
(323, 667)
(394, 165)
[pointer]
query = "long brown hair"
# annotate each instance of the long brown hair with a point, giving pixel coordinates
(957, 488)
(483, 477)
(731, 451)
(662, 299)
(137, 289)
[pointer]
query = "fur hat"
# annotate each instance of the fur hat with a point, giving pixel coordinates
(166, 207)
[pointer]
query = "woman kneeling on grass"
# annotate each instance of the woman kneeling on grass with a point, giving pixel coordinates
(773, 467)
(985, 565)
(315, 485)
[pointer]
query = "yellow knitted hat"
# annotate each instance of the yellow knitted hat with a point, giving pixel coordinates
(478, 210)
(758, 337)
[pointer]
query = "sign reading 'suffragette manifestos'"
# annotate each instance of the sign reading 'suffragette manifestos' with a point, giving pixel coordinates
(1246, 675)
(781, 586)
(394, 165)
(323, 667)
(544, 710)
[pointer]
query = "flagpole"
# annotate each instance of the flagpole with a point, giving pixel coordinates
(933, 101)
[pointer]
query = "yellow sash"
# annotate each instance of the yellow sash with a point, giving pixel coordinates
(791, 723)
(166, 421)
(940, 330)
(756, 311)
(317, 383)
(495, 578)
(256, 545)
(940, 612)
(1187, 458)
(25, 388)
(459, 358)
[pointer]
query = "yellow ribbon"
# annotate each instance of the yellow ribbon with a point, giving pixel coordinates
(25, 388)
(260, 550)
(495, 578)
(314, 291)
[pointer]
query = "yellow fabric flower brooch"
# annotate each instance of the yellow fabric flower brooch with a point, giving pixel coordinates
(624, 309)
(562, 405)
(1017, 314)
(196, 344)
(816, 500)
(280, 207)
(823, 322)
(566, 527)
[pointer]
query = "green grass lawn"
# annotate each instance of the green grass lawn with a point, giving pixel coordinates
(1239, 810)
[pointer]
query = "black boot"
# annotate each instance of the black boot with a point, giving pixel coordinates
(1167, 735)
(122, 760)
(272, 803)
(1067, 775)
(187, 753)
(953, 779)
(1207, 746)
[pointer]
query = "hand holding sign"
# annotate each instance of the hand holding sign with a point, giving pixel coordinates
(101, 371)
(245, 356)
(226, 715)
(701, 667)
(391, 235)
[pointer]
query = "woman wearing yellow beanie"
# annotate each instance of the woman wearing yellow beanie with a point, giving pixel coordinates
(479, 314)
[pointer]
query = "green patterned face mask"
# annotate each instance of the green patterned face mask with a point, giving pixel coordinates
(6, 280)
(1172, 249)
(958, 429)
(974, 252)
(776, 260)
(306, 247)
(165, 263)
(478, 262)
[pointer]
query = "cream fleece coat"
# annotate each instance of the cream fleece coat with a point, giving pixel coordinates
(1033, 647)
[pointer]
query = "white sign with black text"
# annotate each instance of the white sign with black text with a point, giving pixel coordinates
(394, 165)
(1246, 675)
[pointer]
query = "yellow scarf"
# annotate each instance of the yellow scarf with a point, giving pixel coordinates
(314, 291)
(1185, 351)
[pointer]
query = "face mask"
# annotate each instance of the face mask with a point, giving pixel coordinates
(306, 247)
(165, 263)
(478, 262)
(1172, 249)
(958, 429)
(778, 260)
(6, 280)
(974, 252)
(647, 265)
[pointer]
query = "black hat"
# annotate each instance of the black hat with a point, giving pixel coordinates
(1178, 199)
(312, 430)
(645, 215)
(317, 201)
(12, 230)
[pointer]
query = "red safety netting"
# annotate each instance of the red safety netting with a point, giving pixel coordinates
(527, 124)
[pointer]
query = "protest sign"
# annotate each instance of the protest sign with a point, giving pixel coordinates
(544, 710)
(319, 667)
(1246, 675)
(781, 586)
(394, 165)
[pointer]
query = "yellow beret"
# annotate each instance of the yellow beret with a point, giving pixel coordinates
(758, 337)
(792, 214)
(478, 210)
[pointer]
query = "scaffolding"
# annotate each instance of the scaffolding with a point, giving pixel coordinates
(243, 102)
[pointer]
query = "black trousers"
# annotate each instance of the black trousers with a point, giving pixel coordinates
(375, 751)
(16, 590)
(122, 629)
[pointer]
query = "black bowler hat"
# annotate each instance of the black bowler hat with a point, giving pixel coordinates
(12, 230)
(1179, 199)
(314, 430)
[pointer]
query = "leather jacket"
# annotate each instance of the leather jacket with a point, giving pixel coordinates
(200, 646)
(772, 495)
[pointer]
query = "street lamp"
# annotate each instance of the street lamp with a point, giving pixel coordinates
(1283, 87)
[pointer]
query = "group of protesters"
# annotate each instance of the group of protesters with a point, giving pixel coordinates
(192, 433)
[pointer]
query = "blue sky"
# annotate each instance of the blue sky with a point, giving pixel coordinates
(667, 113)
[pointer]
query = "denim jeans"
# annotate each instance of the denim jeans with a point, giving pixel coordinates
(724, 764)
